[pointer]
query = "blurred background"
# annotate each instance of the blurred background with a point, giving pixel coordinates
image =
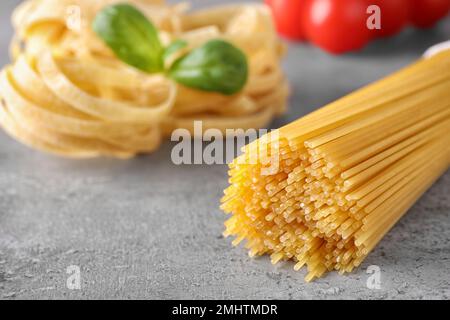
(316, 76)
(146, 228)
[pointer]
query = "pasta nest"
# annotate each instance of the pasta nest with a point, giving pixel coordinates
(66, 93)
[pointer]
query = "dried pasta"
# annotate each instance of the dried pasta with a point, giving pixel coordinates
(347, 172)
(66, 93)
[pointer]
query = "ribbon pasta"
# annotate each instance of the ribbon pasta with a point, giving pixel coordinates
(66, 93)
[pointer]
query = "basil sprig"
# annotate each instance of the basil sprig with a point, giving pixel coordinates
(217, 66)
(132, 37)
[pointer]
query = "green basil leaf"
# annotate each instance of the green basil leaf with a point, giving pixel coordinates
(174, 47)
(132, 37)
(217, 66)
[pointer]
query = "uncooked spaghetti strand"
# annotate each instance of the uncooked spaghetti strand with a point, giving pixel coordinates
(364, 163)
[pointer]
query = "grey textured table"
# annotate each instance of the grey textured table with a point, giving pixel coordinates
(146, 228)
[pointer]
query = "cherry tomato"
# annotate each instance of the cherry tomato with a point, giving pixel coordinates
(287, 15)
(425, 13)
(394, 16)
(337, 26)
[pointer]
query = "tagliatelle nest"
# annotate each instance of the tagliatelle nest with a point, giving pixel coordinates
(66, 93)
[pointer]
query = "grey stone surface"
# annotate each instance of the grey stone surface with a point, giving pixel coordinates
(146, 228)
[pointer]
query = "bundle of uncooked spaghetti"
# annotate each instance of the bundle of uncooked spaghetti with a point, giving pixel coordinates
(67, 93)
(345, 173)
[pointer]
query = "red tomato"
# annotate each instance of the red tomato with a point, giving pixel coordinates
(394, 16)
(337, 26)
(425, 13)
(287, 15)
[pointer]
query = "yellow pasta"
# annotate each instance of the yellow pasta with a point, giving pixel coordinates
(345, 173)
(68, 94)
